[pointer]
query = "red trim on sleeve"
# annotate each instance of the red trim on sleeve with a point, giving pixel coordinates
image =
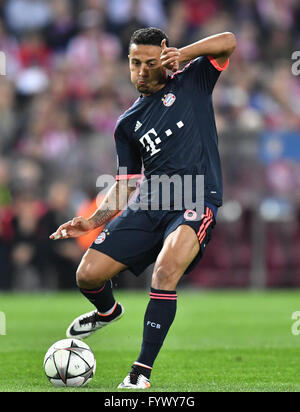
(216, 64)
(180, 71)
(127, 177)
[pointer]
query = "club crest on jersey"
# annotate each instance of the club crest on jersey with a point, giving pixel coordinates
(100, 238)
(169, 99)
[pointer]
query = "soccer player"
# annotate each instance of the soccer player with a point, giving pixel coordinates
(170, 130)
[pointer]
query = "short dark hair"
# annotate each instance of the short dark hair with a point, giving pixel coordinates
(149, 36)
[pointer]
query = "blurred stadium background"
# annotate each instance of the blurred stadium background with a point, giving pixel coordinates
(67, 83)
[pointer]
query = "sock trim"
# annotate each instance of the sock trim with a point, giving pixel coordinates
(142, 365)
(94, 291)
(163, 296)
(110, 311)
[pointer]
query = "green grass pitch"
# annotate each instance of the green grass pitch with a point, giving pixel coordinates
(220, 341)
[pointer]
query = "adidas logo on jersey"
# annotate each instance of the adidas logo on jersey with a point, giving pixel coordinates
(137, 126)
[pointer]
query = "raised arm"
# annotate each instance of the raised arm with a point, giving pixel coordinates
(219, 47)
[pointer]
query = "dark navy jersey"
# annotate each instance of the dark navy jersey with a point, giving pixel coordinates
(173, 131)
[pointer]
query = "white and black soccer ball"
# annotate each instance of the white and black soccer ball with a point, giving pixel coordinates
(69, 362)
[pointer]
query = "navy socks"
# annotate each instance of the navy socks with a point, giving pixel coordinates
(102, 298)
(159, 316)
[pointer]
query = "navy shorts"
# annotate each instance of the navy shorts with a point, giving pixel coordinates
(135, 238)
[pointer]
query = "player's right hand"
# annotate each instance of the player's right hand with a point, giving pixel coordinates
(73, 228)
(169, 56)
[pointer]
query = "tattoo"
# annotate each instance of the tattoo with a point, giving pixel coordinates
(102, 216)
(113, 203)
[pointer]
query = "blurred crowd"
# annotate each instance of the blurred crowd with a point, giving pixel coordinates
(66, 84)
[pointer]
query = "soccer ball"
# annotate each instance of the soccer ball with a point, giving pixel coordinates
(69, 362)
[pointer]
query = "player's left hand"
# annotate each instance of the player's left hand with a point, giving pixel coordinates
(76, 227)
(169, 57)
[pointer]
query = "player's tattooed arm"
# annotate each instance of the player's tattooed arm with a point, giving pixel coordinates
(113, 203)
(101, 216)
(115, 200)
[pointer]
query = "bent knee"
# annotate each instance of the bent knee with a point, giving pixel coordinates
(88, 277)
(166, 276)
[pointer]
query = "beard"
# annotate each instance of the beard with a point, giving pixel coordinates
(143, 88)
(151, 86)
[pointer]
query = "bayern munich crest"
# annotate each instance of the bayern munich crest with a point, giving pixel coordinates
(169, 99)
(100, 238)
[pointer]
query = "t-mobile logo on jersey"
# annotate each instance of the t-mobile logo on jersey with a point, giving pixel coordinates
(150, 144)
(150, 140)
